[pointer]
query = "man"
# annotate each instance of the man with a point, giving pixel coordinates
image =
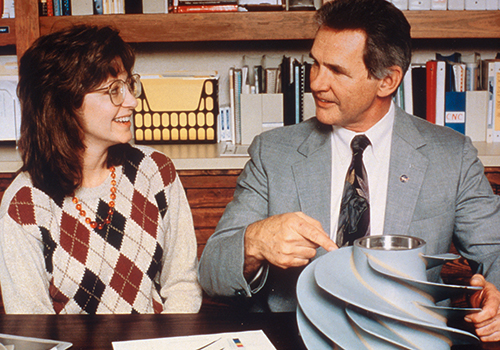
(423, 180)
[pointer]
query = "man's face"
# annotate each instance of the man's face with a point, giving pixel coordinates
(344, 93)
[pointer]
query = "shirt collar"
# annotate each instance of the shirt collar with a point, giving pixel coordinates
(379, 135)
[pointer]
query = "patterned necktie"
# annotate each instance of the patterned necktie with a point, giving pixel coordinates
(354, 218)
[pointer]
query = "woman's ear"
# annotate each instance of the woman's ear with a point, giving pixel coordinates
(391, 81)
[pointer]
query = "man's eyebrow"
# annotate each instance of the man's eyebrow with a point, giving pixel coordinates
(331, 66)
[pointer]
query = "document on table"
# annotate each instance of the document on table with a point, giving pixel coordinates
(14, 342)
(248, 340)
(230, 150)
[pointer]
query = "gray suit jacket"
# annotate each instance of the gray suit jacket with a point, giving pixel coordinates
(446, 197)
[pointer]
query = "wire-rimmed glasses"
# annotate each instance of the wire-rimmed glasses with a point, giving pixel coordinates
(116, 89)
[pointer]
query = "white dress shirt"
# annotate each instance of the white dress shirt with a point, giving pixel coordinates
(376, 159)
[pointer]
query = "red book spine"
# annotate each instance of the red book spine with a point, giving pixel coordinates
(431, 71)
(50, 8)
(206, 8)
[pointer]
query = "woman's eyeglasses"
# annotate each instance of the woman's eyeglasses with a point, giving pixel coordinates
(116, 89)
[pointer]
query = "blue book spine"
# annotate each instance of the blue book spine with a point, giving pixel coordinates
(237, 103)
(455, 110)
(66, 8)
(296, 85)
(57, 8)
(98, 9)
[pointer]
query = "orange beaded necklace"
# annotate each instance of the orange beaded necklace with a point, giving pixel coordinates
(111, 204)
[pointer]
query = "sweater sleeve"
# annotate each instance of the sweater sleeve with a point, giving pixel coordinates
(179, 279)
(23, 277)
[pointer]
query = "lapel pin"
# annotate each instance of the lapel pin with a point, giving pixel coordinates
(403, 178)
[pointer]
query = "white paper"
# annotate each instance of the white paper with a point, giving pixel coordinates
(231, 150)
(28, 343)
(10, 109)
(249, 340)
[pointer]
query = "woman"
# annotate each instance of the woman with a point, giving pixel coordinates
(91, 224)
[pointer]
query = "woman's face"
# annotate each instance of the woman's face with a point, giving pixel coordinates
(105, 124)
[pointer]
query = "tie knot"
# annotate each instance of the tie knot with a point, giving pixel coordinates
(359, 143)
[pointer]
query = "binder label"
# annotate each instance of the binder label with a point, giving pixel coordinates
(455, 117)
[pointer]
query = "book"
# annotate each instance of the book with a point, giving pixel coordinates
(440, 92)
(299, 89)
(476, 111)
(439, 5)
(496, 103)
(258, 77)
(456, 5)
(42, 9)
(205, 8)
(271, 80)
(399, 97)
(408, 91)
(133, 6)
(459, 75)
(472, 71)
(492, 4)
(50, 8)
(155, 6)
(288, 90)
(66, 7)
(232, 104)
(475, 4)
(430, 88)
(450, 71)
(98, 7)
(401, 4)
(455, 110)
(472, 76)
(435, 91)
(57, 7)
(82, 7)
(493, 68)
(419, 94)
(206, 2)
(245, 80)
(225, 123)
(237, 104)
(419, 5)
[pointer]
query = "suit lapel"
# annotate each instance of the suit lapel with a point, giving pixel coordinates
(312, 175)
(406, 174)
(407, 169)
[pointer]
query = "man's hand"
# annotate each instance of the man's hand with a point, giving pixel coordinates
(487, 321)
(285, 240)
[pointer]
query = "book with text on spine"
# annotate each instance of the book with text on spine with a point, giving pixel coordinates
(455, 110)
(205, 8)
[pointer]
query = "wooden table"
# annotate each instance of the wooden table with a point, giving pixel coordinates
(98, 332)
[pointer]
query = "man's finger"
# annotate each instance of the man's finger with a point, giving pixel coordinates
(317, 235)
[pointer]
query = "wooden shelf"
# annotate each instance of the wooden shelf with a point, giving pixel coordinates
(454, 24)
(221, 26)
(272, 25)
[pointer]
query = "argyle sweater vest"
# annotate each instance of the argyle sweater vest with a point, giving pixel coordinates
(115, 269)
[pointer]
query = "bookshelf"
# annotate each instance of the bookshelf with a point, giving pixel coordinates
(279, 25)
(240, 26)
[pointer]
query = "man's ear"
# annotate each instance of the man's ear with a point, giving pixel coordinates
(391, 81)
